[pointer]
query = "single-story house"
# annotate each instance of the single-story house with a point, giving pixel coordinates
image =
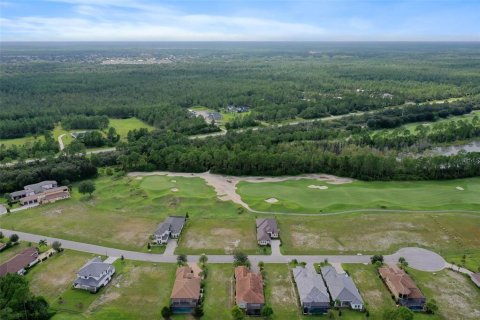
(402, 287)
(215, 116)
(249, 290)
(267, 229)
(186, 291)
(343, 291)
(312, 291)
(476, 278)
(48, 196)
(20, 262)
(94, 275)
(170, 228)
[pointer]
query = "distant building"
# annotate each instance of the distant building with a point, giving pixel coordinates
(32, 189)
(387, 96)
(20, 262)
(186, 290)
(170, 228)
(94, 275)
(48, 196)
(267, 230)
(312, 292)
(402, 287)
(215, 116)
(237, 109)
(249, 290)
(342, 289)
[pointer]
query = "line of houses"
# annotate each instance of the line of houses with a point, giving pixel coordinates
(40, 193)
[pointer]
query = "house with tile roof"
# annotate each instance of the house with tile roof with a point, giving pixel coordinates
(341, 288)
(170, 228)
(402, 287)
(249, 290)
(267, 229)
(186, 292)
(94, 275)
(312, 292)
(20, 263)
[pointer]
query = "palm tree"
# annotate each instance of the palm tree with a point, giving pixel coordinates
(42, 243)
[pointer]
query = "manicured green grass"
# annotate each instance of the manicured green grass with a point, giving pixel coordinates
(446, 233)
(456, 295)
(123, 126)
(296, 196)
(122, 212)
(219, 292)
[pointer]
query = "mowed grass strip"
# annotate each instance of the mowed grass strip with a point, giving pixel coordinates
(379, 233)
(123, 126)
(296, 196)
(219, 292)
(123, 212)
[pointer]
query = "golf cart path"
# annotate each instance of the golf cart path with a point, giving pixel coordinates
(226, 188)
(418, 258)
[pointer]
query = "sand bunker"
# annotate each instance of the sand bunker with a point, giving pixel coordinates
(174, 189)
(312, 186)
(173, 181)
(271, 200)
(138, 178)
(459, 188)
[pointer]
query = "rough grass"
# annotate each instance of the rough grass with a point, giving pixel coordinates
(122, 212)
(218, 236)
(445, 233)
(21, 141)
(295, 196)
(123, 126)
(219, 292)
(456, 295)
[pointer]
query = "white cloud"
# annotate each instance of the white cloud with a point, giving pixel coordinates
(133, 20)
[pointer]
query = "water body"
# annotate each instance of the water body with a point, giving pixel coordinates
(453, 150)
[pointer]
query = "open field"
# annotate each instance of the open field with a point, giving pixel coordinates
(219, 292)
(456, 295)
(123, 126)
(219, 236)
(125, 211)
(300, 196)
(20, 141)
(446, 233)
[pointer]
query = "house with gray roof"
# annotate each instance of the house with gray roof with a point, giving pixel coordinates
(343, 291)
(267, 229)
(94, 275)
(170, 228)
(312, 292)
(33, 189)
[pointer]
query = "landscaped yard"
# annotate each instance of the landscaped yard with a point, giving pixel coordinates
(311, 196)
(123, 212)
(446, 233)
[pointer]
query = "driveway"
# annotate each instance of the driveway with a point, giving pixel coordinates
(276, 248)
(418, 258)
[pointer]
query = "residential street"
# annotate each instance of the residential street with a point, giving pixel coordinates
(418, 258)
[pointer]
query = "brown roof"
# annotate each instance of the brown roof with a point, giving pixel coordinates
(248, 286)
(19, 262)
(187, 284)
(401, 281)
(56, 195)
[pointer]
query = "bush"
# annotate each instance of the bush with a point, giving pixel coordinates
(14, 238)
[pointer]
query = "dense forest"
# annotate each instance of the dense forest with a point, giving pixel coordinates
(367, 92)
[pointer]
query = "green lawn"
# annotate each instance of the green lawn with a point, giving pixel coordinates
(471, 262)
(296, 196)
(446, 233)
(20, 141)
(122, 212)
(219, 292)
(123, 126)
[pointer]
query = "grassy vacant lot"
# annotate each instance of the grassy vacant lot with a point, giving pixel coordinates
(20, 141)
(123, 212)
(446, 233)
(219, 292)
(456, 295)
(123, 126)
(219, 236)
(296, 196)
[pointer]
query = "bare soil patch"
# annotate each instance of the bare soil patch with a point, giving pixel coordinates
(312, 186)
(271, 200)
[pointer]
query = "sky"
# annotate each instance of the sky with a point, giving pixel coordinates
(240, 20)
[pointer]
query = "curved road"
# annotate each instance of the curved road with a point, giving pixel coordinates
(418, 258)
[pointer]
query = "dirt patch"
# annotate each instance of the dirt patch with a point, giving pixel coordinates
(271, 200)
(459, 188)
(174, 190)
(312, 186)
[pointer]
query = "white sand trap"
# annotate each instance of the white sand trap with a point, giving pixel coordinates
(459, 188)
(272, 200)
(173, 181)
(312, 186)
(174, 189)
(138, 178)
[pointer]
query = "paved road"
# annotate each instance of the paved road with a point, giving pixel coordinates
(418, 258)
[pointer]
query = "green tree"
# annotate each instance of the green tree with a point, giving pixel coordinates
(166, 312)
(240, 259)
(181, 259)
(376, 258)
(237, 313)
(18, 303)
(266, 311)
(401, 313)
(431, 306)
(57, 246)
(86, 187)
(203, 258)
(14, 238)
(42, 243)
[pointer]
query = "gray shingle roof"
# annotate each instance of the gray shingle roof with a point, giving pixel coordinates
(341, 286)
(18, 193)
(310, 286)
(94, 268)
(38, 187)
(264, 226)
(173, 223)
